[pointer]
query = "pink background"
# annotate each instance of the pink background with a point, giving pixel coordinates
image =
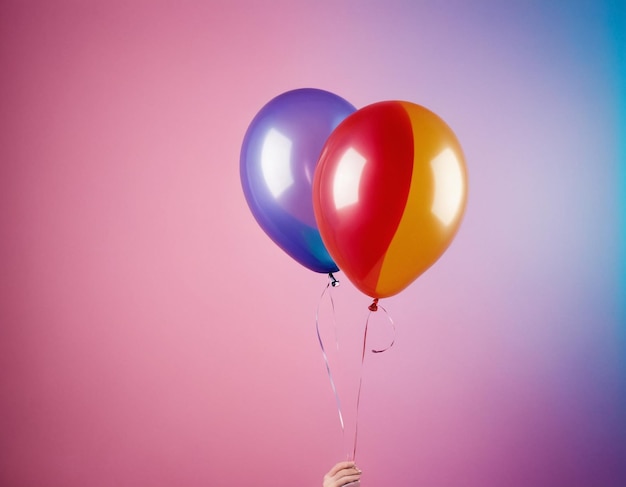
(152, 335)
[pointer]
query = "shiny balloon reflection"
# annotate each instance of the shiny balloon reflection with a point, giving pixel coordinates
(276, 162)
(347, 180)
(389, 194)
(448, 185)
(279, 155)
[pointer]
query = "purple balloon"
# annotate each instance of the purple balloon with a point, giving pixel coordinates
(279, 155)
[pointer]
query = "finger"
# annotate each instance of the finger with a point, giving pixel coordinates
(340, 466)
(348, 479)
(348, 472)
(344, 481)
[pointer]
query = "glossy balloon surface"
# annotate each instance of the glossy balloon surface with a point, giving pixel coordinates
(389, 194)
(279, 155)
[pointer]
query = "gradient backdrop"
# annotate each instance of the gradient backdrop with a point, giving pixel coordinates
(152, 335)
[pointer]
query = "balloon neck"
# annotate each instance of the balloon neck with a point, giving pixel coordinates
(374, 305)
(333, 281)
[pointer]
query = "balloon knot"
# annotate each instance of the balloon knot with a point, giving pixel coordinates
(374, 305)
(333, 281)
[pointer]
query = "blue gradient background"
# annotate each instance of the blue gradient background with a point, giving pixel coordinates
(152, 334)
(618, 34)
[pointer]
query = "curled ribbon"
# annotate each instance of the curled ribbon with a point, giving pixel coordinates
(332, 282)
(372, 308)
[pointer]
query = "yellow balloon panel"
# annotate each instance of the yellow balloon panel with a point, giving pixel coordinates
(434, 206)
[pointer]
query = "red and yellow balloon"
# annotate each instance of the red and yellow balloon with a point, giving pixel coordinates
(389, 193)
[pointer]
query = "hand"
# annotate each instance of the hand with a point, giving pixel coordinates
(341, 474)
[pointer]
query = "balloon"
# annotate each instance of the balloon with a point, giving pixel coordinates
(389, 194)
(278, 159)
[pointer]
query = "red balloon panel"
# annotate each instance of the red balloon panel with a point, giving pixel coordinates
(362, 182)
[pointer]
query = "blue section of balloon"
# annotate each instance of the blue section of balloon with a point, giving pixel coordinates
(279, 155)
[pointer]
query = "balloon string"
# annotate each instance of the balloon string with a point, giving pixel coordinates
(372, 309)
(332, 282)
(393, 327)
